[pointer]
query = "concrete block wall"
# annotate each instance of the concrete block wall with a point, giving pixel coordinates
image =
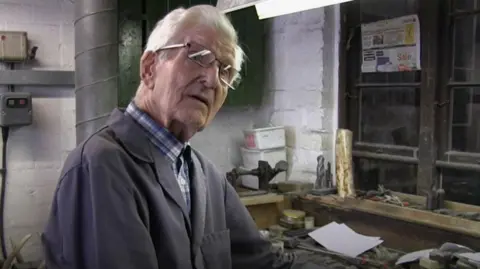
(36, 153)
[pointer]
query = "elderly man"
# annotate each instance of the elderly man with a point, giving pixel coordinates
(135, 195)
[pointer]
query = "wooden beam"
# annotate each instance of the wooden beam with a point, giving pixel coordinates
(459, 207)
(427, 154)
(262, 199)
(422, 217)
(398, 234)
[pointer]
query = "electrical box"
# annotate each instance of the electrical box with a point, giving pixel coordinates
(15, 109)
(13, 46)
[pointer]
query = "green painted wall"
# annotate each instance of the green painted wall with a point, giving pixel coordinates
(136, 19)
(131, 21)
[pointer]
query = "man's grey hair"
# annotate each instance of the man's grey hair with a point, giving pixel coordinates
(200, 15)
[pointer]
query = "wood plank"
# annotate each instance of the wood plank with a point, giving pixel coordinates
(262, 199)
(427, 152)
(444, 222)
(265, 209)
(264, 215)
(460, 207)
(398, 234)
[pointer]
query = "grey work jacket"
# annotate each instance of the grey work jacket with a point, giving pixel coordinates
(119, 206)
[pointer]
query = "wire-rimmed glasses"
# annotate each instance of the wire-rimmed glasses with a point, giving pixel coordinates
(205, 58)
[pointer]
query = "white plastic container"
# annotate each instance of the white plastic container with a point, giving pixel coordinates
(265, 138)
(250, 157)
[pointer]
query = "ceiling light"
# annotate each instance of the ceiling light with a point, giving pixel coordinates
(273, 8)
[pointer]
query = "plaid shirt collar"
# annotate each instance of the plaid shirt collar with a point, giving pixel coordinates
(165, 141)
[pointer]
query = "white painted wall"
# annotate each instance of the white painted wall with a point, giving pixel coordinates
(302, 86)
(301, 94)
(36, 152)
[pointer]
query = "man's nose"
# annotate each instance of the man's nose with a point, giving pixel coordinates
(210, 76)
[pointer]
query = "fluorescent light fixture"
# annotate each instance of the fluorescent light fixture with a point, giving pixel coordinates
(273, 8)
(228, 6)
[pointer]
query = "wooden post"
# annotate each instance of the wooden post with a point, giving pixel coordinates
(343, 165)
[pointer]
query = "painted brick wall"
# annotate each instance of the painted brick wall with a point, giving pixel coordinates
(36, 152)
(300, 94)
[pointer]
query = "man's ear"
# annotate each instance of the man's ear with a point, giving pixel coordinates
(147, 69)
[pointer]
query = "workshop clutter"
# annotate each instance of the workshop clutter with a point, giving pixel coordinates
(334, 245)
(263, 144)
(448, 255)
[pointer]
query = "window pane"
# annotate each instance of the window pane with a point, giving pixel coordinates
(389, 116)
(466, 49)
(393, 176)
(393, 77)
(465, 5)
(465, 130)
(376, 10)
(461, 186)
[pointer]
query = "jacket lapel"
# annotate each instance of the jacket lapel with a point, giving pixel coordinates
(199, 201)
(167, 180)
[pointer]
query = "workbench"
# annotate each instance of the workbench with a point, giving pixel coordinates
(402, 228)
(265, 209)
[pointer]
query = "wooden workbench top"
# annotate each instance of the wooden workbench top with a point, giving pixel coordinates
(262, 199)
(412, 215)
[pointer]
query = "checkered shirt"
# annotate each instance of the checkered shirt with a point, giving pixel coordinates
(168, 146)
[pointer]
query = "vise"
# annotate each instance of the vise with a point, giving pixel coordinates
(264, 172)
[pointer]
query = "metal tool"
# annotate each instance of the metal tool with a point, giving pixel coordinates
(298, 244)
(324, 174)
(264, 172)
(446, 253)
(329, 176)
(435, 195)
(321, 181)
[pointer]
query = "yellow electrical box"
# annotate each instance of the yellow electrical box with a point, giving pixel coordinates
(13, 46)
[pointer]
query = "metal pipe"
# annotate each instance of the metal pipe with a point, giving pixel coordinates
(458, 166)
(384, 157)
(96, 64)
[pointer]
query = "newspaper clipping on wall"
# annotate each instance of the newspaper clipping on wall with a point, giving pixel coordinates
(391, 45)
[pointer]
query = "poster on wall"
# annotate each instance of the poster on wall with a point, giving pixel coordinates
(391, 45)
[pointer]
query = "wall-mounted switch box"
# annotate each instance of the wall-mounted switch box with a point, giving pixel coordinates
(15, 109)
(13, 46)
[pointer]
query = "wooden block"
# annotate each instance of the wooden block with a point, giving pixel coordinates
(343, 163)
(265, 209)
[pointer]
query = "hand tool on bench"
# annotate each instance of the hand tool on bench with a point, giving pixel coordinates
(264, 172)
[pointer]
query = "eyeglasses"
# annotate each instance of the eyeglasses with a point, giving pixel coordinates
(205, 58)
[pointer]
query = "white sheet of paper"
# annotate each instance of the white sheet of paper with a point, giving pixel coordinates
(413, 256)
(340, 238)
(352, 231)
(475, 257)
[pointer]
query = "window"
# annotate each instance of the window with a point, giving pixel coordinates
(465, 69)
(383, 108)
(389, 115)
(394, 176)
(406, 123)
